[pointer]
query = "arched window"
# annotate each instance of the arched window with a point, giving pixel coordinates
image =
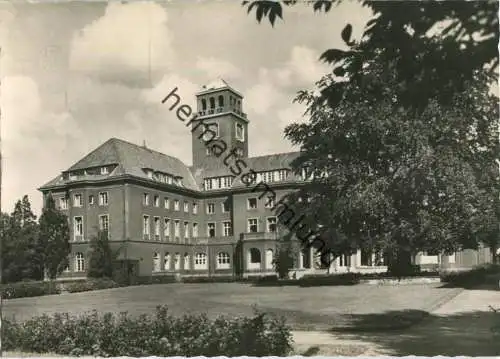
(203, 104)
(166, 261)
(177, 261)
(212, 102)
(156, 262)
(221, 101)
(239, 105)
(254, 259)
(200, 261)
(269, 259)
(79, 262)
(187, 261)
(223, 260)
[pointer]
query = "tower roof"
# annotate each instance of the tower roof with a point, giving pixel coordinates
(217, 85)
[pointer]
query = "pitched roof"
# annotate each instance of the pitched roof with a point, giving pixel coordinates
(131, 159)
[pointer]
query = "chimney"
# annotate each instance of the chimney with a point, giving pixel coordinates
(144, 143)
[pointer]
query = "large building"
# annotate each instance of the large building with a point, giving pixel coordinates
(167, 217)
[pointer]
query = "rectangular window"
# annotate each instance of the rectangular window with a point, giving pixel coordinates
(195, 230)
(176, 205)
(77, 200)
(145, 199)
(271, 224)
(271, 201)
(210, 208)
(252, 203)
(103, 198)
(104, 222)
(63, 203)
(78, 228)
(240, 132)
(207, 184)
(91, 200)
(186, 207)
(227, 182)
(186, 229)
(157, 228)
(166, 203)
(227, 230)
(226, 207)
(211, 229)
(156, 201)
(104, 170)
(283, 174)
(195, 208)
(253, 225)
(209, 151)
(177, 229)
(145, 227)
(166, 228)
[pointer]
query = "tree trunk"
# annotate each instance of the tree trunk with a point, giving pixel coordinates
(493, 251)
(399, 263)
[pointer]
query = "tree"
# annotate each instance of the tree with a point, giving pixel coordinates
(283, 259)
(403, 128)
(101, 257)
(53, 242)
(404, 179)
(20, 233)
(433, 64)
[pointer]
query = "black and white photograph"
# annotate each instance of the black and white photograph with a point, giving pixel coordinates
(185, 178)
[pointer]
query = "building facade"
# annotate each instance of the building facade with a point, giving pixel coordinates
(165, 217)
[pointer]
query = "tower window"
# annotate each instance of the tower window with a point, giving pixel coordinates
(203, 104)
(212, 102)
(240, 132)
(221, 101)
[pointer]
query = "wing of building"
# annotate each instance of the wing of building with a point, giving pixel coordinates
(167, 217)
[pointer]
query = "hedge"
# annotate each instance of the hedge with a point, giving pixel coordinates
(159, 334)
(89, 285)
(332, 279)
(470, 278)
(28, 289)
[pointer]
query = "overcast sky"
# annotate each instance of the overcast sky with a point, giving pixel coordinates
(76, 74)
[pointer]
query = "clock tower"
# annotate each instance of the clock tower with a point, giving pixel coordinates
(221, 108)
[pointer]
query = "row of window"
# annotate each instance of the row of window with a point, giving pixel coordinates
(220, 99)
(166, 203)
(164, 177)
(211, 229)
(78, 226)
(218, 182)
(103, 200)
(200, 261)
(88, 171)
(213, 128)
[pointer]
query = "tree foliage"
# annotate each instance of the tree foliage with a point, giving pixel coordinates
(53, 242)
(19, 231)
(435, 47)
(403, 134)
(102, 258)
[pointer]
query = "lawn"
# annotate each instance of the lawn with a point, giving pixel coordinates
(316, 308)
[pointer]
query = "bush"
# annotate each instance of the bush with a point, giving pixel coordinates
(218, 279)
(470, 278)
(28, 289)
(274, 281)
(157, 279)
(90, 284)
(332, 279)
(155, 335)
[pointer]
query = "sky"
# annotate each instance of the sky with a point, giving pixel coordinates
(75, 74)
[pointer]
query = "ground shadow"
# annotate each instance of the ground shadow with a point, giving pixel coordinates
(463, 334)
(495, 286)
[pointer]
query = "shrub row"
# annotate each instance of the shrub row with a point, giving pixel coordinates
(470, 278)
(28, 289)
(333, 279)
(157, 279)
(88, 285)
(155, 335)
